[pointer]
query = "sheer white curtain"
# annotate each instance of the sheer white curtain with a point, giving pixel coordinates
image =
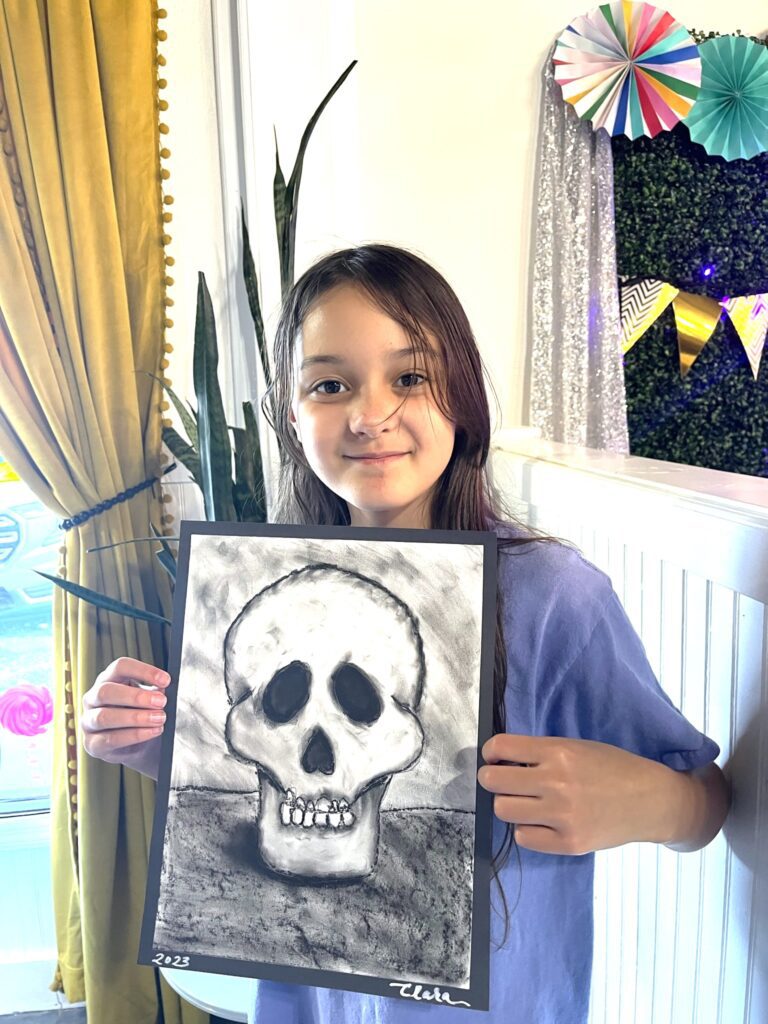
(576, 367)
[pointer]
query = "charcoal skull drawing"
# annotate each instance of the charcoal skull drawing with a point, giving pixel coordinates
(324, 669)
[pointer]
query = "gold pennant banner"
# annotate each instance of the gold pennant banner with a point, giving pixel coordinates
(696, 317)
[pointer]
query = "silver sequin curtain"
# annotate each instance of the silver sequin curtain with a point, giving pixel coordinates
(576, 367)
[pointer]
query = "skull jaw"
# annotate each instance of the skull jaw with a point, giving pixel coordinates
(319, 855)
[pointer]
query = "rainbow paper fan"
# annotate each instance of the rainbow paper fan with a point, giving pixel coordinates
(730, 116)
(629, 68)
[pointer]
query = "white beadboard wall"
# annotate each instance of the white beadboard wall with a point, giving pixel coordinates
(679, 938)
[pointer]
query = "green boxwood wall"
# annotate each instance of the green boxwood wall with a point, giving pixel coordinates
(677, 211)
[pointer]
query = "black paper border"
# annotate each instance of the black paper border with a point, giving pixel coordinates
(476, 995)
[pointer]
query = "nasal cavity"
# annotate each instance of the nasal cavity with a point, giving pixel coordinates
(318, 756)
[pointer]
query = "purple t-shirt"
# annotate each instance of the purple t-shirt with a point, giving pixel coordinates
(576, 668)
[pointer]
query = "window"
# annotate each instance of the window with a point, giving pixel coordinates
(29, 540)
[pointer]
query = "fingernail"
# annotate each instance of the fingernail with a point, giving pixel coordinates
(158, 700)
(157, 716)
(162, 678)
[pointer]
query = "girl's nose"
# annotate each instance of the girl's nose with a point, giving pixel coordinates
(372, 414)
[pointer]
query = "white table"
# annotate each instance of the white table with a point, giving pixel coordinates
(220, 994)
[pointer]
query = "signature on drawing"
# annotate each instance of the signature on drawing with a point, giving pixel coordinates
(426, 995)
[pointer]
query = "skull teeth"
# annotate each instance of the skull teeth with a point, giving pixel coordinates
(321, 804)
(303, 813)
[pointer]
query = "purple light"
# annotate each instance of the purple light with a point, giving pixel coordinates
(708, 270)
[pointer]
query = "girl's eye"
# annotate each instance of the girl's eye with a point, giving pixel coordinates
(411, 380)
(328, 387)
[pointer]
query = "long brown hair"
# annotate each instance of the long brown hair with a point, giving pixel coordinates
(418, 298)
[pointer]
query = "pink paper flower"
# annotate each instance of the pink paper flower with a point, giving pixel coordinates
(25, 709)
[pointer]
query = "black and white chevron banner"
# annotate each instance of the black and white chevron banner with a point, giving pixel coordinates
(641, 306)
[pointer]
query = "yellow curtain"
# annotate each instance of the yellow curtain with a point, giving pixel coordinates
(82, 293)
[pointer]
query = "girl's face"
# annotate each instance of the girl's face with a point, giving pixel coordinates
(364, 411)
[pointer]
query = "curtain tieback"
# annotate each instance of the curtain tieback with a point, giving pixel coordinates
(89, 513)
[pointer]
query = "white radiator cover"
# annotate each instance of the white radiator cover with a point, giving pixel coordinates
(679, 938)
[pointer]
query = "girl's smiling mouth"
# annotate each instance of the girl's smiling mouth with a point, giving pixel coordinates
(377, 458)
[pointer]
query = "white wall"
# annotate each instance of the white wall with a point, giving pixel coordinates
(429, 144)
(205, 174)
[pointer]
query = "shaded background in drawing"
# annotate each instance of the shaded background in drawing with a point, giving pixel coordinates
(440, 583)
(411, 919)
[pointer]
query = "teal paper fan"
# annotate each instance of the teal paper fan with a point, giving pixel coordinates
(730, 115)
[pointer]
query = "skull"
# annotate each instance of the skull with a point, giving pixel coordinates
(325, 671)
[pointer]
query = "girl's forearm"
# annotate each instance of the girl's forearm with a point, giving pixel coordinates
(698, 802)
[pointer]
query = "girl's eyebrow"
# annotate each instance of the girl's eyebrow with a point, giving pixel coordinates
(337, 360)
(314, 360)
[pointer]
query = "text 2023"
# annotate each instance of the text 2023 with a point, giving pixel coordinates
(164, 960)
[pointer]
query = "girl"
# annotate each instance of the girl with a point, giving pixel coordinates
(379, 405)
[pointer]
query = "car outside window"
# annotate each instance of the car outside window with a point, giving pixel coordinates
(29, 540)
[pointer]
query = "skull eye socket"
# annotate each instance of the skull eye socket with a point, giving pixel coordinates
(287, 692)
(356, 695)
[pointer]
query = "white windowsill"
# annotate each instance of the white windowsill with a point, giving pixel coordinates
(716, 484)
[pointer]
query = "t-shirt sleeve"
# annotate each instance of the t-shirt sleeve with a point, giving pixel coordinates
(592, 676)
(610, 693)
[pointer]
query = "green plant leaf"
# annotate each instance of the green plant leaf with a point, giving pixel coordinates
(248, 490)
(109, 604)
(252, 291)
(281, 224)
(295, 179)
(242, 487)
(168, 562)
(243, 465)
(214, 446)
(188, 419)
(184, 452)
(252, 435)
(162, 539)
(133, 540)
(286, 222)
(165, 555)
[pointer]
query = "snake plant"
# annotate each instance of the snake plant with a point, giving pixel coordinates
(224, 461)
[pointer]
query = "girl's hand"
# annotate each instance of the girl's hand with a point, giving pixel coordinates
(123, 722)
(574, 796)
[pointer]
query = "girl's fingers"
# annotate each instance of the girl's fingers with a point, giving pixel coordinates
(122, 695)
(111, 745)
(509, 780)
(540, 832)
(520, 810)
(129, 670)
(106, 719)
(541, 839)
(513, 749)
(122, 719)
